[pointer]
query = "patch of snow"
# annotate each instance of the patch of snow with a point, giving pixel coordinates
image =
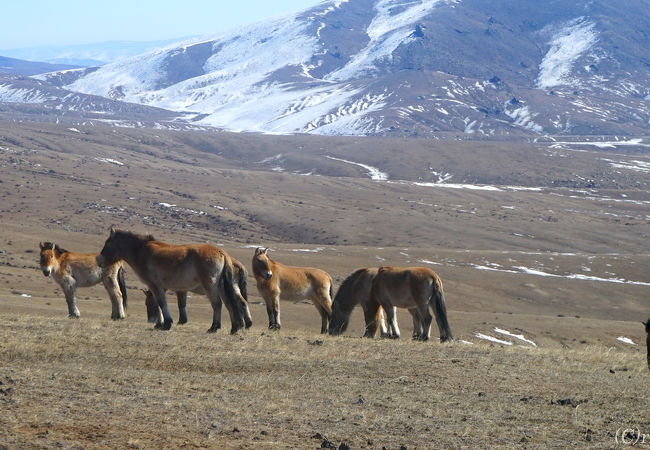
(110, 161)
(485, 337)
(516, 336)
(387, 31)
(566, 47)
(426, 261)
(626, 340)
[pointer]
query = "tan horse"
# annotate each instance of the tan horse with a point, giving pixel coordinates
(410, 287)
(355, 290)
(647, 340)
(154, 313)
(72, 270)
(188, 267)
(276, 281)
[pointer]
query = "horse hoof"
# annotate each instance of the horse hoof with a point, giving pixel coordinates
(167, 325)
(182, 321)
(73, 316)
(249, 323)
(274, 326)
(213, 329)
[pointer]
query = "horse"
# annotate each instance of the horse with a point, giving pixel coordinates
(355, 290)
(647, 340)
(72, 270)
(154, 313)
(410, 287)
(275, 281)
(183, 268)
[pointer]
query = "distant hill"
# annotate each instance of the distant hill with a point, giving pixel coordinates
(20, 67)
(87, 55)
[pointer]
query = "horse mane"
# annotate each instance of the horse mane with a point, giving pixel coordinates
(55, 246)
(140, 237)
(346, 287)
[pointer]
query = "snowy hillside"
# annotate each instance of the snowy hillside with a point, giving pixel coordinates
(409, 67)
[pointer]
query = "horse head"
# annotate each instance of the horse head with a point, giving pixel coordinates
(48, 257)
(262, 263)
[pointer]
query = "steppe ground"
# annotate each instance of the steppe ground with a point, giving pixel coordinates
(559, 270)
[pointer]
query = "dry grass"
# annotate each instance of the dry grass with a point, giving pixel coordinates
(96, 383)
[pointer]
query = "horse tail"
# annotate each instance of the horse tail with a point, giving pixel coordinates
(227, 277)
(122, 285)
(437, 303)
(242, 282)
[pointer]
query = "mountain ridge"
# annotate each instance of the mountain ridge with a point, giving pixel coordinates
(398, 68)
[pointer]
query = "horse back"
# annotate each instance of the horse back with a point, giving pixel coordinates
(180, 267)
(82, 267)
(405, 286)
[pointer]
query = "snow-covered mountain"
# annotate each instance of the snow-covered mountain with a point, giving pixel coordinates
(404, 67)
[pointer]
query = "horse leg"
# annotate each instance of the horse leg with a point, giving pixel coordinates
(323, 305)
(216, 315)
(391, 318)
(273, 310)
(418, 332)
(161, 297)
(373, 317)
(113, 288)
(425, 318)
(248, 319)
(181, 296)
(70, 292)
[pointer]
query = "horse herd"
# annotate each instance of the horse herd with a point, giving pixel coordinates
(209, 270)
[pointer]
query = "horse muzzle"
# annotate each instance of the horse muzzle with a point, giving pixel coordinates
(47, 272)
(268, 275)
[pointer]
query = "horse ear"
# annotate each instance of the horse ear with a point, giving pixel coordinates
(41, 246)
(112, 230)
(265, 250)
(259, 251)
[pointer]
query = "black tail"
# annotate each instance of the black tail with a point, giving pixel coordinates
(437, 303)
(122, 285)
(231, 298)
(242, 282)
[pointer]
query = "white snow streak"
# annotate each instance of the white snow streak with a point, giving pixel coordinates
(373, 172)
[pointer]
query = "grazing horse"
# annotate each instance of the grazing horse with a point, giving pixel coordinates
(72, 270)
(275, 281)
(154, 313)
(182, 268)
(647, 340)
(355, 290)
(410, 287)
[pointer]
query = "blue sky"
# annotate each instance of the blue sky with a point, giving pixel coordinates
(31, 23)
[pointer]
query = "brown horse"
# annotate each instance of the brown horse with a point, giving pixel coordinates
(72, 270)
(275, 281)
(410, 287)
(154, 313)
(355, 290)
(182, 268)
(647, 340)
